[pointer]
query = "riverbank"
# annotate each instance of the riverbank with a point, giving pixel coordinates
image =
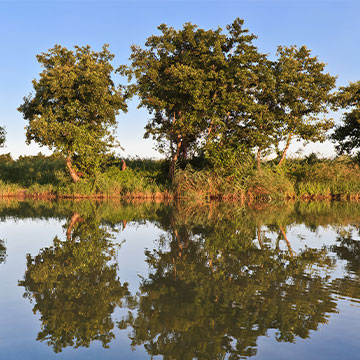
(45, 177)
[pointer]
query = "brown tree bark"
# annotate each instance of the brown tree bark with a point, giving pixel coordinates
(175, 158)
(74, 175)
(285, 150)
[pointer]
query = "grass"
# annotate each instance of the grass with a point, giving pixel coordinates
(309, 178)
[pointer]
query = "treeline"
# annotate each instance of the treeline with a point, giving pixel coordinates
(307, 178)
(215, 101)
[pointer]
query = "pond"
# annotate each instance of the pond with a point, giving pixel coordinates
(112, 280)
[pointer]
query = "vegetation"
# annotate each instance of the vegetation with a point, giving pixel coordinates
(218, 106)
(347, 135)
(210, 92)
(74, 107)
(310, 178)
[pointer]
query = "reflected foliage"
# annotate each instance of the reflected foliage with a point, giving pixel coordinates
(220, 275)
(2, 251)
(348, 248)
(211, 297)
(75, 286)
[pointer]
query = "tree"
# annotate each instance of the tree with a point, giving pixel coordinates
(347, 135)
(303, 92)
(74, 106)
(2, 136)
(191, 80)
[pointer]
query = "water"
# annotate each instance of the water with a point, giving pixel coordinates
(97, 280)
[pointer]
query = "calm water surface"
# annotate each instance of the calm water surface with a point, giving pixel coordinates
(87, 280)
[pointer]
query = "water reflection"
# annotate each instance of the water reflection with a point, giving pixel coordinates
(211, 296)
(219, 278)
(348, 248)
(2, 251)
(74, 285)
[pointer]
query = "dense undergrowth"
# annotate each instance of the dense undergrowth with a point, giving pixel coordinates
(310, 177)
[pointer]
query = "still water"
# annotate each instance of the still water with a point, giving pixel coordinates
(98, 280)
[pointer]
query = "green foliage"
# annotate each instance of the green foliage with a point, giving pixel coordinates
(205, 87)
(347, 135)
(30, 170)
(74, 105)
(329, 178)
(270, 183)
(230, 161)
(190, 80)
(205, 184)
(303, 93)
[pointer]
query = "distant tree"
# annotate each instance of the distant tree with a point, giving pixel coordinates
(347, 135)
(303, 93)
(2, 136)
(74, 106)
(191, 80)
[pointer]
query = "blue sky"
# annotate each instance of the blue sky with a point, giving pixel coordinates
(330, 28)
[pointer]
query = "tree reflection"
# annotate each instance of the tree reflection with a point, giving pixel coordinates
(211, 297)
(75, 285)
(348, 248)
(2, 251)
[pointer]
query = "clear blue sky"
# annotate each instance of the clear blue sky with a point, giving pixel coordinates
(330, 28)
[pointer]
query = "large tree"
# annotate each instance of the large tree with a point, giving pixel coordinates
(74, 106)
(347, 135)
(191, 80)
(303, 94)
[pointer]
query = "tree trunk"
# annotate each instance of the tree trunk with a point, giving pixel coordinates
(258, 159)
(285, 150)
(175, 158)
(74, 175)
(123, 165)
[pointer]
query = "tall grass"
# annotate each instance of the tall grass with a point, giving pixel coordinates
(46, 176)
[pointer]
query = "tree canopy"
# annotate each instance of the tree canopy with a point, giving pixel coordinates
(209, 91)
(303, 93)
(347, 135)
(191, 80)
(74, 106)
